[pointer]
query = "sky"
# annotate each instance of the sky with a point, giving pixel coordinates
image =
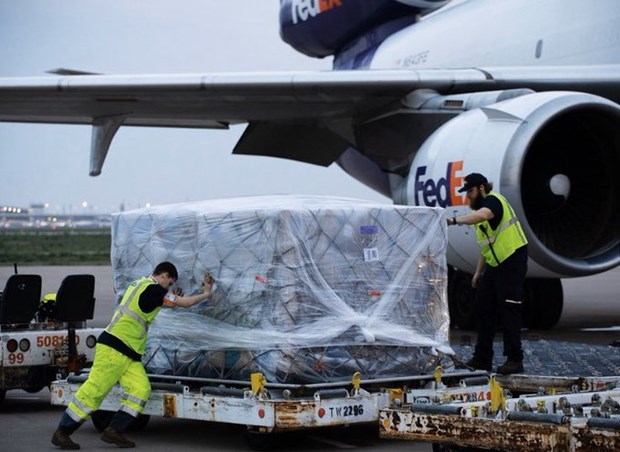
(50, 163)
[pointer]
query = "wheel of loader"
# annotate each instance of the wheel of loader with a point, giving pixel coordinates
(34, 389)
(261, 441)
(437, 447)
(2, 394)
(461, 299)
(544, 300)
(140, 423)
(101, 419)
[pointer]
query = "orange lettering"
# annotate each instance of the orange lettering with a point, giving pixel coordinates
(325, 5)
(456, 182)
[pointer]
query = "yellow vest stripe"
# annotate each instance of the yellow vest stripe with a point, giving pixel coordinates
(118, 313)
(502, 242)
(491, 240)
(130, 324)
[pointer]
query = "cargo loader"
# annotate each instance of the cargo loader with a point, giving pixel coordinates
(456, 410)
(269, 409)
(565, 414)
(41, 343)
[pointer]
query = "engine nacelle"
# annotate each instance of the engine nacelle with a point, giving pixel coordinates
(555, 156)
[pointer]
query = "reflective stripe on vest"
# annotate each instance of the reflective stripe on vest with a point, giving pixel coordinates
(497, 245)
(129, 323)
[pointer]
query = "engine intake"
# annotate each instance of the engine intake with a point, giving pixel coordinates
(570, 194)
(555, 156)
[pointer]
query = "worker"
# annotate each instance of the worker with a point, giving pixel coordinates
(118, 356)
(46, 308)
(500, 273)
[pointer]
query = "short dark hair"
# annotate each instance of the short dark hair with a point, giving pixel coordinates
(166, 267)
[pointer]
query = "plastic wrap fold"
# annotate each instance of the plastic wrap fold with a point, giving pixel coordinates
(309, 289)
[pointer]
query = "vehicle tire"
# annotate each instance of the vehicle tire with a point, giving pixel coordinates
(2, 395)
(542, 303)
(261, 441)
(461, 299)
(34, 390)
(101, 419)
(140, 423)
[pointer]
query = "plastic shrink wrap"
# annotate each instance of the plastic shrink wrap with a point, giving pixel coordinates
(309, 289)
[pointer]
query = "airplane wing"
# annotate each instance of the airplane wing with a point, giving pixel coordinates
(305, 110)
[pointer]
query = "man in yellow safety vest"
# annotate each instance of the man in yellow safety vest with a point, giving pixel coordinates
(118, 356)
(500, 273)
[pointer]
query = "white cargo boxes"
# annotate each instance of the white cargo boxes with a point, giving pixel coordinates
(309, 289)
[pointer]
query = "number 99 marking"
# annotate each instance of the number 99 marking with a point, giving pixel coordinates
(16, 358)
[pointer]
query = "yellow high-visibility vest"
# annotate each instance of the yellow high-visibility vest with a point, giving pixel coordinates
(129, 323)
(499, 244)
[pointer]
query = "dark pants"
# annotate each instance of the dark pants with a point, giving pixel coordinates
(500, 296)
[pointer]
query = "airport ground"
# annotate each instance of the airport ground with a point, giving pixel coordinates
(27, 421)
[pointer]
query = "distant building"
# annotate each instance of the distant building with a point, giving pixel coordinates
(11, 210)
(12, 217)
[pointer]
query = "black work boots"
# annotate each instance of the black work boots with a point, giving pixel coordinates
(510, 367)
(63, 440)
(112, 436)
(479, 364)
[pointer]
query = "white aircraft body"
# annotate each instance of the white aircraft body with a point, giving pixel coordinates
(424, 92)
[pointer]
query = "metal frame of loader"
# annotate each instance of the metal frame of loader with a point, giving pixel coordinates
(453, 410)
(268, 409)
(563, 414)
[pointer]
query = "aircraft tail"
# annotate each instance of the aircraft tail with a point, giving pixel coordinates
(348, 29)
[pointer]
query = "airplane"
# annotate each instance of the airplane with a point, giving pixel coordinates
(422, 93)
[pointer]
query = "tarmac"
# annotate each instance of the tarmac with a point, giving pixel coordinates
(28, 420)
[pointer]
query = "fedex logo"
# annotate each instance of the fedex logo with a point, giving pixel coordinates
(442, 191)
(302, 9)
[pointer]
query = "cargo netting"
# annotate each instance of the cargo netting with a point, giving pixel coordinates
(308, 289)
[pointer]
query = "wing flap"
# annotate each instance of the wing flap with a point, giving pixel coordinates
(305, 143)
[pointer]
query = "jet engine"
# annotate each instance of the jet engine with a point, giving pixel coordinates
(555, 156)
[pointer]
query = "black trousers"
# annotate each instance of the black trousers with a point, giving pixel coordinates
(500, 296)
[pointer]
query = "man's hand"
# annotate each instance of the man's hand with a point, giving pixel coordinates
(178, 291)
(476, 279)
(207, 283)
